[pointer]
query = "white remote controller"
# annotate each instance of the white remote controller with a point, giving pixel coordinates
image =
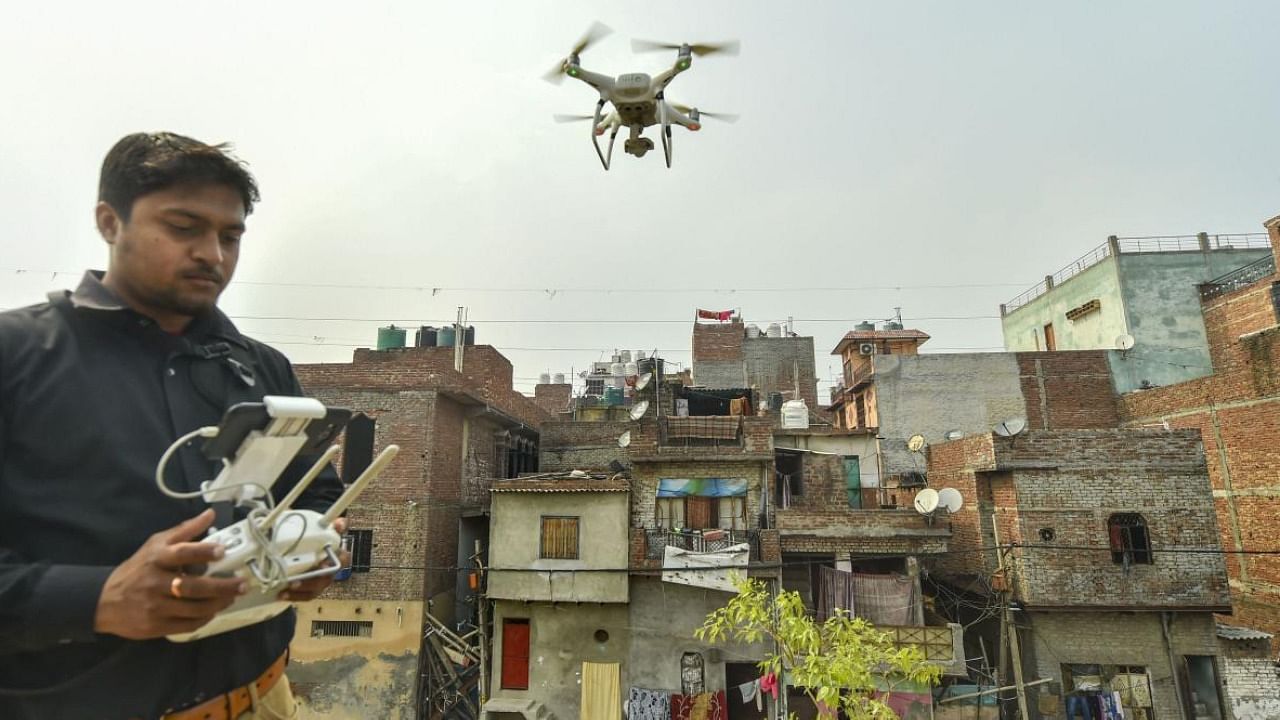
(300, 544)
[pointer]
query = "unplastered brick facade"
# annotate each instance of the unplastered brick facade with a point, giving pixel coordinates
(1043, 489)
(568, 445)
(724, 357)
(448, 426)
(1237, 413)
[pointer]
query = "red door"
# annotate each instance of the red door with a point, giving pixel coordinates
(515, 654)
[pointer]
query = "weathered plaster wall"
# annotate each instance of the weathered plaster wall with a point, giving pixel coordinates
(353, 678)
(1024, 326)
(1162, 302)
(603, 543)
(862, 446)
(561, 638)
(931, 394)
(1051, 640)
(1251, 679)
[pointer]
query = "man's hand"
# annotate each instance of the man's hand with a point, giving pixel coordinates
(138, 600)
(304, 590)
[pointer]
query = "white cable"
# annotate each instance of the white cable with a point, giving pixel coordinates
(208, 431)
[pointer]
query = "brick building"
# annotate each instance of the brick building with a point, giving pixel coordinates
(1109, 546)
(1236, 408)
(734, 355)
(357, 651)
(893, 392)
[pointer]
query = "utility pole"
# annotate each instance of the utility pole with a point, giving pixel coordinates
(459, 339)
(482, 603)
(1008, 629)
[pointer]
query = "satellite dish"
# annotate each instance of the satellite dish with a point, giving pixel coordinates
(1010, 427)
(1125, 342)
(951, 499)
(953, 434)
(915, 443)
(643, 381)
(926, 501)
(583, 374)
(624, 439)
(639, 409)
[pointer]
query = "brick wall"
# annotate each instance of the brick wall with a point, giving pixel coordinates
(1250, 679)
(779, 364)
(1067, 390)
(1070, 483)
(721, 341)
(553, 398)
(1237, 412)
(579, 445)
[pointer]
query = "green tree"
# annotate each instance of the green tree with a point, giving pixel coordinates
(842, 662)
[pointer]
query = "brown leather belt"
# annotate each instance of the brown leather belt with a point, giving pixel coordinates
(232, 705)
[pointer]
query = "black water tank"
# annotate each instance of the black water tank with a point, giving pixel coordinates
(470, 335)
(426, 337)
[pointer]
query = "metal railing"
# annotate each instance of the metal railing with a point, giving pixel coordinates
(1143, 244)
(1239, 278)
(657, 540)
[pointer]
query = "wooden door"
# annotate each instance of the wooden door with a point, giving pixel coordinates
(1049, 341)
(515, 654)
(700, 512)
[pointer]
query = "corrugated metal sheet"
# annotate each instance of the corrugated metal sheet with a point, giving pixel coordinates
(1235, 632)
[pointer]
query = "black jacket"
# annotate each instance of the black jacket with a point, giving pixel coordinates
(91, 394)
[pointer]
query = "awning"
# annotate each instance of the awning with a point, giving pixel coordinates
(702, 487)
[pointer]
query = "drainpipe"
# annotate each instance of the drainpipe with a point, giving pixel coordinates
(1166, 621)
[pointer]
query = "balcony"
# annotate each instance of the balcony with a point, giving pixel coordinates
(657, 540)
(1239, 278)
(863, 531)
(708, 437)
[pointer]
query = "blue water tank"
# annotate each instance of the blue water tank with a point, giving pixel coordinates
(613, 396)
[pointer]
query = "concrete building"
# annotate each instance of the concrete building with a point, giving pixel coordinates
(1142, 287)
(1104, 542)
(359, 651)
(1236, 409)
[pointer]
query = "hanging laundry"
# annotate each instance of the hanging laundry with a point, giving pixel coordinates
(749, 691)
(645, 704)
(721, 315)
(601, 691)
(705, 706)
(769, 684)
(886, 599)
(835, 592)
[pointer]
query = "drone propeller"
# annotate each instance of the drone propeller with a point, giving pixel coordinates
(594, 34)
(561, 118)
(725, 48)
(723, 117)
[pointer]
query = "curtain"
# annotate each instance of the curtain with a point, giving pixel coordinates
(835, 591)
(601, 691)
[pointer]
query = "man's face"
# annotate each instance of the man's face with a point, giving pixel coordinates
(177, 252)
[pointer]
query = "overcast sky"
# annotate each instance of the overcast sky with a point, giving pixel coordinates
(408, 146)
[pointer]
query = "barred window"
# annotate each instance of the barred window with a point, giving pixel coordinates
(341, 628)
(360, 544)
(559, 538)
(1130, 542)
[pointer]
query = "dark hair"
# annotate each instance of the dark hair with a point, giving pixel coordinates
(143, 163)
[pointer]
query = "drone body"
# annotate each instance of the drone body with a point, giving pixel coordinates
(638, 99)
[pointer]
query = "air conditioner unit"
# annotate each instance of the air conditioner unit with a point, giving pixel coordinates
(866, 348)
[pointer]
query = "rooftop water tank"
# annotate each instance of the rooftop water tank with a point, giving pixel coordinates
(613, 396)
(632, 369)
(795, 415)
(891, 325)
(753, 331)
(390, 337)
(471, 335)
(774, 330)
(617, 369)
(559, 379)
(640, 355)
(426, 337)
(865, 326)
(445, 337)
(624, 356)
(544, 379)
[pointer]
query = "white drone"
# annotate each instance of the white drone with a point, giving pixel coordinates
(638, 100)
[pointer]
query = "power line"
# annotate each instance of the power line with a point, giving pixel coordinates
(593, 321)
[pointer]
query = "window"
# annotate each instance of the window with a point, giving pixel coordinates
(732, 513)
(341, 628)
(515, 654)
(1130, 543)
(357, 447)
(559, 538)
(360, 544)
(671, 513)
(789, 478)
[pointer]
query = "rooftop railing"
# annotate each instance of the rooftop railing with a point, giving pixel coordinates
(1144, 244)
(1239, 278)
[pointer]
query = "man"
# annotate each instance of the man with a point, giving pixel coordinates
(95, 384)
